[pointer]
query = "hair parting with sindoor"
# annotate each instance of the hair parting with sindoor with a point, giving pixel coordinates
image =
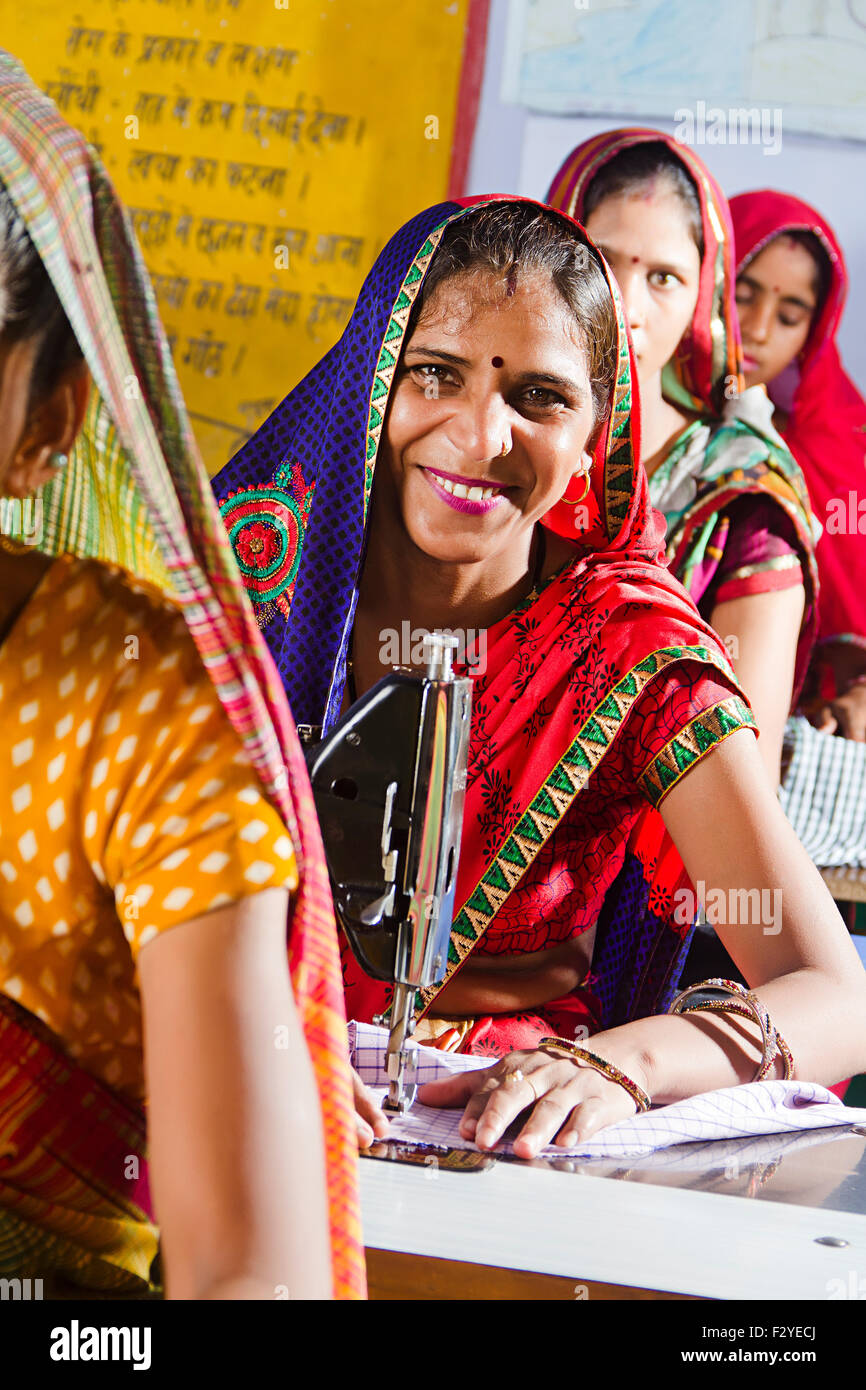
(506, 239)
(640, 168)
(29, 306)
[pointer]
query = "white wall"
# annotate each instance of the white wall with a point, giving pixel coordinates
(518, 151)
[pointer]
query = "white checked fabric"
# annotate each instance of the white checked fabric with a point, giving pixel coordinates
(823, 794)
(761, 1108)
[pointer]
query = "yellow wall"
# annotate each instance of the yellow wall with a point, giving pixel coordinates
(266, 149)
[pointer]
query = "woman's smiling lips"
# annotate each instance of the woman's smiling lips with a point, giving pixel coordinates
(471, 495)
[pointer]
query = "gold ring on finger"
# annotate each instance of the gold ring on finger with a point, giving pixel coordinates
(517, 1076)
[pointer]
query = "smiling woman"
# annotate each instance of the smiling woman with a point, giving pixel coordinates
(488, 351)
(475, 454)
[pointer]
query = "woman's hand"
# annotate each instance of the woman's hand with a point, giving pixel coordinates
(846, 715)
(569, 1102)
(370, 1121)
(775, 917)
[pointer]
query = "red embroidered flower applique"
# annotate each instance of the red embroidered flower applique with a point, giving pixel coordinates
(257, 545)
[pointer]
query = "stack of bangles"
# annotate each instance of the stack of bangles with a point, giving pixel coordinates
(726, 996)
(584, 1057)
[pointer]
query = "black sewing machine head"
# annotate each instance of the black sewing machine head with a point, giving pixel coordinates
(389, 783)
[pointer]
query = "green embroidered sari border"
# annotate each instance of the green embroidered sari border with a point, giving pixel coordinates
(392, 343)
(679, 755)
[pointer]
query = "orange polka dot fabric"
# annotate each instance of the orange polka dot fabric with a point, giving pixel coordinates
(127, 806)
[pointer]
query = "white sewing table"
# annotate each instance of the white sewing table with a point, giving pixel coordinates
(531, 1232)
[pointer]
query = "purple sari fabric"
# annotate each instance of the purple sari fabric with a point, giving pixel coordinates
(755, 551)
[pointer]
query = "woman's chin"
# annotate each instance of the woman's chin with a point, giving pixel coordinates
(451, 549)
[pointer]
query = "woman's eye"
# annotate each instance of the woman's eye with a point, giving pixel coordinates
(541, 396)
(665, 279)
(790, 323)
(431, 371)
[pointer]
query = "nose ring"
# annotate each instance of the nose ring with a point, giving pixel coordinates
(506, 449)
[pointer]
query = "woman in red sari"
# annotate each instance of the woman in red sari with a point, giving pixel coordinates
(482, 391)
(791, 289)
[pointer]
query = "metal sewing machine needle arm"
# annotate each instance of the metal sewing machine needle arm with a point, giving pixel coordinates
(401, 1053)
(389, 783)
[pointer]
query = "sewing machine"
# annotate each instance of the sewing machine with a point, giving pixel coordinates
(389, 783)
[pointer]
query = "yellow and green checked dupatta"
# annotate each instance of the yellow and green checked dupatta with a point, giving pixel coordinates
(135, 493)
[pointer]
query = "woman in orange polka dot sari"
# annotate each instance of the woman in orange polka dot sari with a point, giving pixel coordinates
(151, 780)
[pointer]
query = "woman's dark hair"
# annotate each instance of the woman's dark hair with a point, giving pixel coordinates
(506, 238)
(635, 169)
(29, 306)
(823, 273)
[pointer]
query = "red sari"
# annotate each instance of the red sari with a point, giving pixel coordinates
(826, 429)
(600, 692)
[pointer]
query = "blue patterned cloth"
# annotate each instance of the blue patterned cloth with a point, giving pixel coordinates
(322, 426)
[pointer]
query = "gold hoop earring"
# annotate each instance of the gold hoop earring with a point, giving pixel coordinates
(573, 501)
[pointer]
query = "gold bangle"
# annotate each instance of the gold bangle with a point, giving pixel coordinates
(600, 1064)
(746, 1003)
(718, 1006)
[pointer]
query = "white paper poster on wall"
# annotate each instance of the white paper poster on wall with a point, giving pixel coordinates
(757, 65)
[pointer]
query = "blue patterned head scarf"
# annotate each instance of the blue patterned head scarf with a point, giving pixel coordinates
(295, 498)
(312, 460)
